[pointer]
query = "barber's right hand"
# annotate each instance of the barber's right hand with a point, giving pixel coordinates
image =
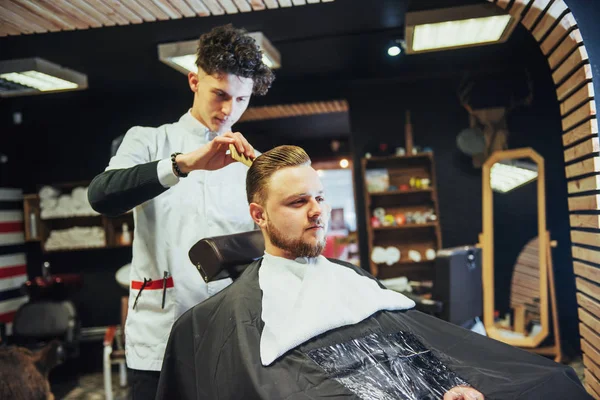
(214, 155)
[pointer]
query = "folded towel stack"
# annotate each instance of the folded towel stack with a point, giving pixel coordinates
(56, 205)
(76, 238)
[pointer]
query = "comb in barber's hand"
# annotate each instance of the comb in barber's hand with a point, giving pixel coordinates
(239, 157)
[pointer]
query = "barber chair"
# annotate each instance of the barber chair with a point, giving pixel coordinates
(456, 294)
(50, 316)
(503, 371)
(226, 256)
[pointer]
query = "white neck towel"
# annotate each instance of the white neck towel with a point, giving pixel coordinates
(306, 297)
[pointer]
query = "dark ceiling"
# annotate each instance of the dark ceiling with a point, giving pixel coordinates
(320, 45)
(345, 39)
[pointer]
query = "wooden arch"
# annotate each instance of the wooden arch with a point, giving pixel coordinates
(554, 27)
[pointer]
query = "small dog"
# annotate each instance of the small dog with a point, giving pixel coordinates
(24, 373)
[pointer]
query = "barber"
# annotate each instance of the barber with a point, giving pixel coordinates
(182, 186)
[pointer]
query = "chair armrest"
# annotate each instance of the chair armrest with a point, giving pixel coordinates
(109, 336)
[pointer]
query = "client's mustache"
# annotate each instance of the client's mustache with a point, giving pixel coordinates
(318, 222)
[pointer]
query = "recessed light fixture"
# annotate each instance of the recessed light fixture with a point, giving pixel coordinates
(28, 76)
(182, 55)
(457, 27)
(344, 163)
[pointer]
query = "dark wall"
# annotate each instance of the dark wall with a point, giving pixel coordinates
(67, 137)
(437, 118)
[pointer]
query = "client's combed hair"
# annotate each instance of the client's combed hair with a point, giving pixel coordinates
(265, 165)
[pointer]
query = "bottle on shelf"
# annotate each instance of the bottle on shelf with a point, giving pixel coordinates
(32, 226)
(46, 270)
(125, 239)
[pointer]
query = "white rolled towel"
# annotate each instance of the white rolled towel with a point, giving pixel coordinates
(50, 213)
(79, 195)
(65, 201)
(48, 203)
(76, 237)
(48, 192)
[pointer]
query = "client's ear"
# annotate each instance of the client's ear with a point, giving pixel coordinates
(258, 214)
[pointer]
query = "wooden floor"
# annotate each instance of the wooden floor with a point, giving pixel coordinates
(91, 387)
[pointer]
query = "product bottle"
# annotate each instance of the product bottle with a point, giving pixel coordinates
(126, 235)
(32, 226)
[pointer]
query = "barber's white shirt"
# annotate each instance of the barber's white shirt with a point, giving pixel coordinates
(204, 204)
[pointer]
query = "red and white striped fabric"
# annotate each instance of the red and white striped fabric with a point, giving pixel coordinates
(11, 226)
(13, 263)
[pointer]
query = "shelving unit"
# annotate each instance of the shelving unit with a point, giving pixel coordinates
(38, 229)
(410, 236)
(408, 226)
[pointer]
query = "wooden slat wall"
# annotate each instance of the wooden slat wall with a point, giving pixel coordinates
(294, 110)
(23, 17)
(554, 27)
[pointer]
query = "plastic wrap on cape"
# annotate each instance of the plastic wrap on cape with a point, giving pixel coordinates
(387, 367)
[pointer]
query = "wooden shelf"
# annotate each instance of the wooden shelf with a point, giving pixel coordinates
(407, 263)
(420, 237)
(43, 227)
(401, 192)
(400, 158)
(74, 218)
(118, 246)
(414, 271)
(64, 250)
(407, 226)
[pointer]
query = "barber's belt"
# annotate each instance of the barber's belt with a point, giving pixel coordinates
(149, 284)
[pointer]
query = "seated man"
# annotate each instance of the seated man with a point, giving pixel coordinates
(296, 325)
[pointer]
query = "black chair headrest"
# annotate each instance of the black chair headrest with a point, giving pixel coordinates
(226, 256)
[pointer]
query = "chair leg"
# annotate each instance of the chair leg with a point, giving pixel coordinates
(107, 373)
(123, 373)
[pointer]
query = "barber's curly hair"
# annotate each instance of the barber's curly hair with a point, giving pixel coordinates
(226, 49)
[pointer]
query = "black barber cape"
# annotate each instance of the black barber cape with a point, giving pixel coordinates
(213, 353)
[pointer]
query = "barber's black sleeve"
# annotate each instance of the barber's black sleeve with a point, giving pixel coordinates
(117, 191)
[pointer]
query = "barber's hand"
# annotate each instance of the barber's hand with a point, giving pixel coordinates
(214, 155)
(463, 393)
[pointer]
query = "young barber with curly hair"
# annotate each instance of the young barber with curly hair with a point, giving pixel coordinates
(182, 186)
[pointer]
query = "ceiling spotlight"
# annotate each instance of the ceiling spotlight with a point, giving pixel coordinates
(394, 50)
(344, 163)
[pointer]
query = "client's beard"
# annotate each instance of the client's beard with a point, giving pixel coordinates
(296, 247)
